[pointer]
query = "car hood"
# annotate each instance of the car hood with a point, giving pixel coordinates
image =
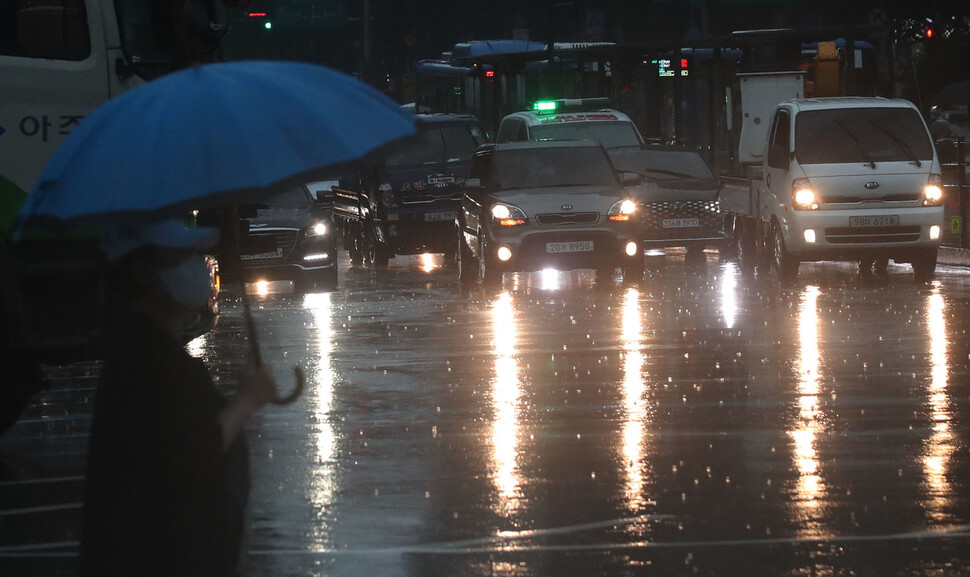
(886, 182)
(552, 199)
(286, 217)
(678, 189)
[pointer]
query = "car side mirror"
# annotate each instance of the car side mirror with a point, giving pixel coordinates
(778, 156)
(473, 188)
(629, 178)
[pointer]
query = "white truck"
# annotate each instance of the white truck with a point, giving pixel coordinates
(838, 178)
(59, 60)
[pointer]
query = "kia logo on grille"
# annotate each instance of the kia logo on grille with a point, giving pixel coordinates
(872, 185)
(567, 207)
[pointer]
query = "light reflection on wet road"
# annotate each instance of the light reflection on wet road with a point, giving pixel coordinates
(697, 422)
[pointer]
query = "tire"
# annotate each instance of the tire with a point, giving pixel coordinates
(784, 263)
(695, 257)
(633, 269)
(382, 255)
(467, 264)
(746, 248)
(355, 245)
(317, 281)
(924, 265)
(489, 273)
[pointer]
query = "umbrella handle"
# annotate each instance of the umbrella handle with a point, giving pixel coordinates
(297, 390)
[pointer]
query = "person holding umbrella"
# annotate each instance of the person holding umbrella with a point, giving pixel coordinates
(167, 479)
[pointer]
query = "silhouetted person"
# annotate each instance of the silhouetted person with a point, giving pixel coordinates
(168, 477)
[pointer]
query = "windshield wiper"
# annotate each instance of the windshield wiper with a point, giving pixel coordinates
(858, 143)
(899, 142)
(668, 172)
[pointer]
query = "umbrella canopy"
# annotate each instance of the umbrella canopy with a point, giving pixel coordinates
(212, 135)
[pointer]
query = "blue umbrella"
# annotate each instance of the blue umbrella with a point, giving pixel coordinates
(212, 135)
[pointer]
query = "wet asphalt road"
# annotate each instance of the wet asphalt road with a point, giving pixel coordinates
(694, 423)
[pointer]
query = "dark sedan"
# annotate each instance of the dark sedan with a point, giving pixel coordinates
(678, 199)
(291, 237)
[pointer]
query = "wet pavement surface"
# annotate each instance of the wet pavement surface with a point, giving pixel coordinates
(697, 422)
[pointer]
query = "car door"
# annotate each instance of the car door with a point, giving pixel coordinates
(473, 197)
(777, 164)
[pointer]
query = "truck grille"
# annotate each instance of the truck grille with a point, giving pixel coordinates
(871, 234)
(427, 198)
(555, 219)
(842, 199)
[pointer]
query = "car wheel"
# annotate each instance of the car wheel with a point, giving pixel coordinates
(786, 264)
(317, 281)
(695, 257)
(924, 265)
(489, 273)
(633, 270)
(467, 265)
(355, 245)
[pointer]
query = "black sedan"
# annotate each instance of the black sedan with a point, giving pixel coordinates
(291, 237)
(678, 199)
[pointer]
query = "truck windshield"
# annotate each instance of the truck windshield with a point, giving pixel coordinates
(609, 134)
(866, 135)
(541, 167)
(439, 144)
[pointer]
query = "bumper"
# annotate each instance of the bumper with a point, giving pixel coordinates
(899, 234)
(430, 228)
(564, 249)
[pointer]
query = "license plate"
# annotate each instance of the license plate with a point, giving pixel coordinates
(681, 223)
(576, 246)
(278, 253)
(439, 216)
(891, 220)
(441, 180)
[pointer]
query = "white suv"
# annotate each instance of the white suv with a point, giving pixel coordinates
(571, 119)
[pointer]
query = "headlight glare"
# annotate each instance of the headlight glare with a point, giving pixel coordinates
(933, 192)
(508, 215)
(318, 229)
(622, 210)
(803, 196)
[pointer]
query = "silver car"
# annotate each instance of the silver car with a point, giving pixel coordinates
(547, 204)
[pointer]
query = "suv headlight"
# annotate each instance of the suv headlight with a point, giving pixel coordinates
(803, 196)
(933, 191)
(622, 210)
(318, 229)
(508, 215)
(388, 198)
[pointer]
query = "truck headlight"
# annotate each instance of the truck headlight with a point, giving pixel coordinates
(388, 198)
(508, 215)
(803, 196)
(933, 191)
(622, 210)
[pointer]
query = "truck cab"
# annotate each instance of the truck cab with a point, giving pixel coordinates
(851, 178)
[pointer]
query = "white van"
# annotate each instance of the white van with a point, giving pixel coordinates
(852, 178)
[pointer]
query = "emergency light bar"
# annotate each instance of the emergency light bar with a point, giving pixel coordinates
(569, 104)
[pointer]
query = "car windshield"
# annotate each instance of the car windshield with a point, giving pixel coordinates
(296, 196)
(671, 165)
(560, 166)
(868, 135)
(608, 133)
(439, 144)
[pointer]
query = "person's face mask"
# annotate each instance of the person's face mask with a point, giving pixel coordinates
(187, 282)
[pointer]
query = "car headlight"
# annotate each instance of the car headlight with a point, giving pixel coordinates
(318, 229)
(388, 198)
(622, 210)
(802, 195)
(508, 215)
(933, 192)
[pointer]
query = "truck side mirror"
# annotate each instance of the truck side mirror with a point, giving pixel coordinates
(778, 157)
